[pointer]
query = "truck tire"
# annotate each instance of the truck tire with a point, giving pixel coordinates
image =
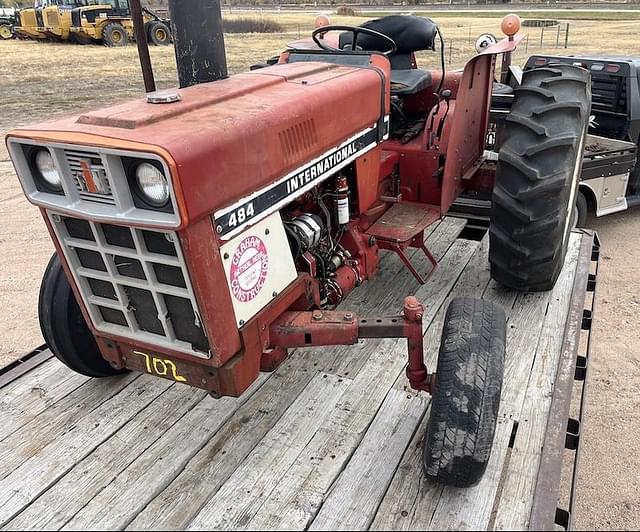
(464, 407)
(537, 177)
(159, 33)
(114, 34)
(579, 218)
(64, 328)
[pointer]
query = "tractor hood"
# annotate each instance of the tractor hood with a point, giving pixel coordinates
(227, 139)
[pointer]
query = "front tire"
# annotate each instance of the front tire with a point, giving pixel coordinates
(6, 31)
(64, 328)
(537, 177)
(159, 33)
(114, 35)
(464, 407)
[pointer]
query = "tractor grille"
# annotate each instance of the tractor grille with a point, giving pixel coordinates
(53, 19)
(134, 283)
(90, 176)
(29, 18)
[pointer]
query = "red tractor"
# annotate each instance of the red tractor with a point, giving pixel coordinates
(202, 232)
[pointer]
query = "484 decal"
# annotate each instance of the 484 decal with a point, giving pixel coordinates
(241, 215)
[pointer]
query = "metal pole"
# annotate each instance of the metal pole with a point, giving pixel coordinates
(558, 37)
(198, 40)
(566, 37)
(506, 63)
(143, 46)
(541, 36)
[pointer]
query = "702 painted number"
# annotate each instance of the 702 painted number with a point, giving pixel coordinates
(161, 367)
(241, 214)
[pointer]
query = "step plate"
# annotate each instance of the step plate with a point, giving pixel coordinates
(404, 221)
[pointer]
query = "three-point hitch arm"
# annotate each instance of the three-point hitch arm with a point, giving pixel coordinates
(321, 327)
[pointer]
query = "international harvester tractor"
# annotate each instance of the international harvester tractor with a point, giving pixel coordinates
(203, 232)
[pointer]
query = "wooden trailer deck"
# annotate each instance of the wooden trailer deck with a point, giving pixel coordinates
(331, 440)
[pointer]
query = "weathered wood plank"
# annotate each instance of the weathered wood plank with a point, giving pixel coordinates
(239, 498)
(120, 501)
(296, 497)
(470, 509)
(472, 282)
(516, 499)
(207, 457)
(169, 483)
(410, 499)
(300, 493)
(524, 332)
(41, 471)
(173, 508)
(73, 491)
(375, 297)
(31, 438)
(353, 500)
(22, 400)
(294, 502)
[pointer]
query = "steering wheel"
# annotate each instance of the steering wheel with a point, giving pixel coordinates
(355, 30)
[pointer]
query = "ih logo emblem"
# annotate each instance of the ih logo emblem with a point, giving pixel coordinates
(92, 180)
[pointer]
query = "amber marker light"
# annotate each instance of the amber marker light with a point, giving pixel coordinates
(510, 25)
(321, 20)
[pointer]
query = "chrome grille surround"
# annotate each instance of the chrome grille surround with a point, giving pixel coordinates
(113, 198)
(120, 286)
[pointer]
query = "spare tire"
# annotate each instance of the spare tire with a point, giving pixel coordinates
(537, 176)
(466, 398)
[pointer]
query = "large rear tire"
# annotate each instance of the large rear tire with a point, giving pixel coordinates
(464, 408)
(64, 328)
(537, 177)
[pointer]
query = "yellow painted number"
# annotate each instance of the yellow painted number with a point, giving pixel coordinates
(161, 367)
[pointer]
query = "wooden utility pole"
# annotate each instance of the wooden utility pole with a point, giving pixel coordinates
(198, 40)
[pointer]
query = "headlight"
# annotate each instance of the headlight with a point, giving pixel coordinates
(47, 169)
(152, 184)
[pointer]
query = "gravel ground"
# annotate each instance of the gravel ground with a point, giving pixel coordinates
(608, 495)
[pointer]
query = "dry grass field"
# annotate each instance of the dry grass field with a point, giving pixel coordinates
(40, 80)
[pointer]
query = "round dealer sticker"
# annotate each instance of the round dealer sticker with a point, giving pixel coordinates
(249, 267)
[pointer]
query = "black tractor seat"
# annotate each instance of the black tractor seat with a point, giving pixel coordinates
(411, 34)
(405, 79)
(405, 82)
